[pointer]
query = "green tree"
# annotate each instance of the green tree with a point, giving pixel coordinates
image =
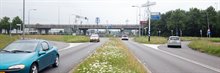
(194, 24)
(212, 20)
(16, 20)
(0, 26)
(5, 24)
(177, 21)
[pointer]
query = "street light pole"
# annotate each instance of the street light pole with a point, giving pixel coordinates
(148, 4)
(29, 11)
(23, 36)
(138, 21)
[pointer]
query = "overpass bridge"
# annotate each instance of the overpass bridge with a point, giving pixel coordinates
(46, 27)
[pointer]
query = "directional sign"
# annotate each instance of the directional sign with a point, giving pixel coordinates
(155, 15)
(97, 20)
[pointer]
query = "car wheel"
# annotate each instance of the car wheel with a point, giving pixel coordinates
(56, 63)
(34, 68)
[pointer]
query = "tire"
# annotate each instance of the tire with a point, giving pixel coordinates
(56, 62)
(33, 68)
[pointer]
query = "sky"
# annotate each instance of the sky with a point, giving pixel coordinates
(109, 11)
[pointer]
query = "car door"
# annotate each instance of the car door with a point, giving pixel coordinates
(45, 58)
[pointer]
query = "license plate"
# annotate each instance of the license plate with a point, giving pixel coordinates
(2, 72)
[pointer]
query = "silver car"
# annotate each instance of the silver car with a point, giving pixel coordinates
(124, 37)
(174, 41)
(94, 37)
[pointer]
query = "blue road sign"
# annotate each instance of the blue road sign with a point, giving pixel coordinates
(155, 16)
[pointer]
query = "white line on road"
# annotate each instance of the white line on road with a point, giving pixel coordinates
(203, 65)
(70, 46)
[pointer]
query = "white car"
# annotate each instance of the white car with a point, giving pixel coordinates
(174, 41)
(94, 37)
(124, 37)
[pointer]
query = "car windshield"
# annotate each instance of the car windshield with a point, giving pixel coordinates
(94, 36)
(174, 38)
(124, 36)
(21, 46)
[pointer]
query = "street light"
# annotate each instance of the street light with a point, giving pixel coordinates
(148, 4)
(138, 20)
(23, 33)
(29, 11)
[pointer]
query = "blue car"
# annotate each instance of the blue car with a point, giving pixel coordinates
(28, 56)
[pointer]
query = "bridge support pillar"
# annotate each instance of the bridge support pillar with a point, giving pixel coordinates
(84, 31)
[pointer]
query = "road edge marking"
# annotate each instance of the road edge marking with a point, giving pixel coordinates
(70, 46)
(177, 56)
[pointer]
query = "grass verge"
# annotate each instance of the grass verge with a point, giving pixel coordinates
(5, 39)
(112, 57)
(206, 46)
(154, 40)
(62, 38)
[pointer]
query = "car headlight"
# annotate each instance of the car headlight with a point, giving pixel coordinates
(17, 67)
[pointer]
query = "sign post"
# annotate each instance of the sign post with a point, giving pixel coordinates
(97, 20)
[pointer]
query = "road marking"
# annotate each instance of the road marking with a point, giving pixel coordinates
(197, 63)
(70, 46)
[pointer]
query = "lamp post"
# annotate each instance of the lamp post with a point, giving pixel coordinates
(29, 11)
(23, 33)
(148, 4)
(139, 18)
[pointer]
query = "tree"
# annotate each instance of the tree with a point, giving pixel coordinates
(5, 24)
(16, 21)
(194, 22)
(211, 20)
(177, 21)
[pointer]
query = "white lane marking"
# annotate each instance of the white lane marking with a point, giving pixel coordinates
(70, 46)
(197, 63)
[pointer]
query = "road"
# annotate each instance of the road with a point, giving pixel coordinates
(72, 56)
(174, 60)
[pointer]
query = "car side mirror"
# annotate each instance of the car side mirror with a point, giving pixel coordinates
(42, 52)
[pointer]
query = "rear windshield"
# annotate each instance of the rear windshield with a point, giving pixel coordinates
(174, 38)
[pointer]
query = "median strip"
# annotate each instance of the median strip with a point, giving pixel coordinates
(112, 57)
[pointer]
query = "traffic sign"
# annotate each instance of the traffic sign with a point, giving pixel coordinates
(97, 20)
(155, 15)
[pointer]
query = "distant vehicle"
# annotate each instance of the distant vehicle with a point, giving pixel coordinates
(94, 37)
(174, 41)
(28, 56)
(124, 37)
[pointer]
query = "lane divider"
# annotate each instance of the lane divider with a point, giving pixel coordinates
(191, 61)
(70, 46)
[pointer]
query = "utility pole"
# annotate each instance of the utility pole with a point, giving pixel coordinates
(23, 36)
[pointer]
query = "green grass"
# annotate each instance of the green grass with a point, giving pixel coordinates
(5, 39)
(190, 38)
(206, 46)
(154, 40)
(215, 39)
(112, 57)
(62, 38)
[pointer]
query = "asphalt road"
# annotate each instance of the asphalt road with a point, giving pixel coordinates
(71, 57)
(174, 60)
